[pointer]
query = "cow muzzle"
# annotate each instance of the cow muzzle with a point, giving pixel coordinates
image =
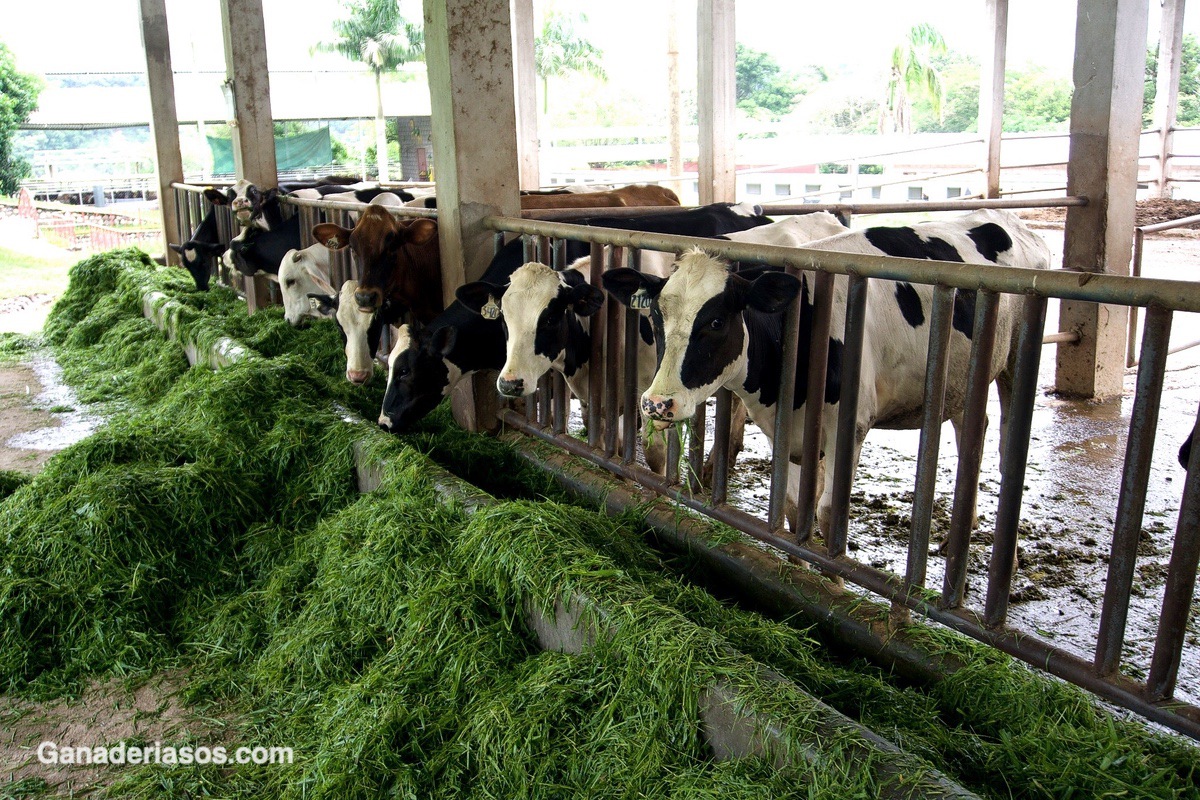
(368, 300)
(385, 422)
(661, 411)
(358, 376)
(510, 387)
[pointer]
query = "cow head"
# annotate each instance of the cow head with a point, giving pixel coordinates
(360, 330)
(303, 273)
(539, 309)
(195, 257)
(246, 201)
(419, 375)
(387, 248)
(699, 318)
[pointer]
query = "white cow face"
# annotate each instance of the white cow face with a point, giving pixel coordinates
(303, 273)
(361, 331)
(540, 309)
(698, 320)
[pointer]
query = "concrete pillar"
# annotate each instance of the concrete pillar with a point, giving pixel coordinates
(1106, 115)
(1166, 87)
(991, 92)
(526, 85)
(717, 90)
(253, 127)
(674, 124)
(164, 124)
(468, 50)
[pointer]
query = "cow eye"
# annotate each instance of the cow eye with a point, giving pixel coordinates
(717, 323)
(290, 282)
(403, 372)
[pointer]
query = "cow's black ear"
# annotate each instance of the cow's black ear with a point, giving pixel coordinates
(270, 194)
(442, 340)
(326, 303)
(586, 299)
(178, 248)
(481, 297)
(771, 292)
(211, 248)
(216, 197)
(632, 288)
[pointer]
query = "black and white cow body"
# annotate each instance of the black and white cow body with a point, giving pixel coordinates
(425, 365)
(721, 330)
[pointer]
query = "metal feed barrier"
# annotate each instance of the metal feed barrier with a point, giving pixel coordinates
(1153, 697)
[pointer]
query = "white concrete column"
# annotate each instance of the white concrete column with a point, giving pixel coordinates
(164, 124)
(526, 85)
(253, 132)
(991, 91)
(1106, 115)
(717, 92)
(1166, 86)
(468, 49)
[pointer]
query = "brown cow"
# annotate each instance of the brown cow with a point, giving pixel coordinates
(399, 259)
(634, 195)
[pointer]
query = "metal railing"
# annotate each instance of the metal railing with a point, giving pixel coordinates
(1152, 697)
(1139, 246)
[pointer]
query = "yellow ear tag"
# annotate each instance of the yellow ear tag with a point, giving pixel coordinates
(640, 299)
(314, 304)
(491, 310)
(332, 243)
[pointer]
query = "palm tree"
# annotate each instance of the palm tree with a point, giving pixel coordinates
(913, 73)
(377, 35)
(560, 49)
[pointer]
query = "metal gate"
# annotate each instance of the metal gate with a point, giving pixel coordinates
(1152, 696)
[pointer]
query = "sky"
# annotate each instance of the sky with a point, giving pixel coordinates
(103, 35)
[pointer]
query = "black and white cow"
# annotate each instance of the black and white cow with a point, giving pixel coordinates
(361, 330)
(425, 365)
(198, 251)
(718, 329)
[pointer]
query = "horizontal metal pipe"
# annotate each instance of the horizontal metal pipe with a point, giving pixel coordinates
(920, 206)
(1063, 337)
(1088, 286)
(403, 211)
(1176, 715)
(1183, 222)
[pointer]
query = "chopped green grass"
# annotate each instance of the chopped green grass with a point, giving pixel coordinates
(214, 524)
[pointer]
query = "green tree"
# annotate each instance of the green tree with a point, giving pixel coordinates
(1188, 110)
(560, 50)
(1035, 101)
(913, 74)
(18, 99)
(761, 85)
(377, 35)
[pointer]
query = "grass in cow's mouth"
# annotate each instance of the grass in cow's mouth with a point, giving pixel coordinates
(214, 524)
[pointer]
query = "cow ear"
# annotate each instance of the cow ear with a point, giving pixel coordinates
(211, 248)
(422, 231)
(586, 299)
(270, 194)
(216, 197)
(178, 248)
(443, 339)
(632, 288)
(771, 292)
(335, 237)
(271, 276)
(481, 297)
(326, 303)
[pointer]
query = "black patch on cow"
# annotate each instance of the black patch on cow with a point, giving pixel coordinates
(416, 378)
(645, 329)
(910, 304)
(964, 312)
(990, 240)
(907, 243)
(710, 350)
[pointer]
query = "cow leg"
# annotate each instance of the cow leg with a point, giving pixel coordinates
(825, 504)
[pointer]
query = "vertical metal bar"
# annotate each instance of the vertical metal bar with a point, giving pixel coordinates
(559, 249)
(847, 424)
(720, 448)
(781, 444)
(1139, 245)
(559, 399)
(1181, 584)
(673, 436)
(940, 316)
(543, 392)
(1131, 504)
(1014, 454)
(629, 401)
(529, 249)
(612, 368)
(695, 458)
(814, 403)
(970, 447)
(596, 360)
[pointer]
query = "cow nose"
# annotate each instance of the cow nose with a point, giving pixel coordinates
(365, 300)
(358, 376)
(658, 407)
(385, 422)
(511, 387)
